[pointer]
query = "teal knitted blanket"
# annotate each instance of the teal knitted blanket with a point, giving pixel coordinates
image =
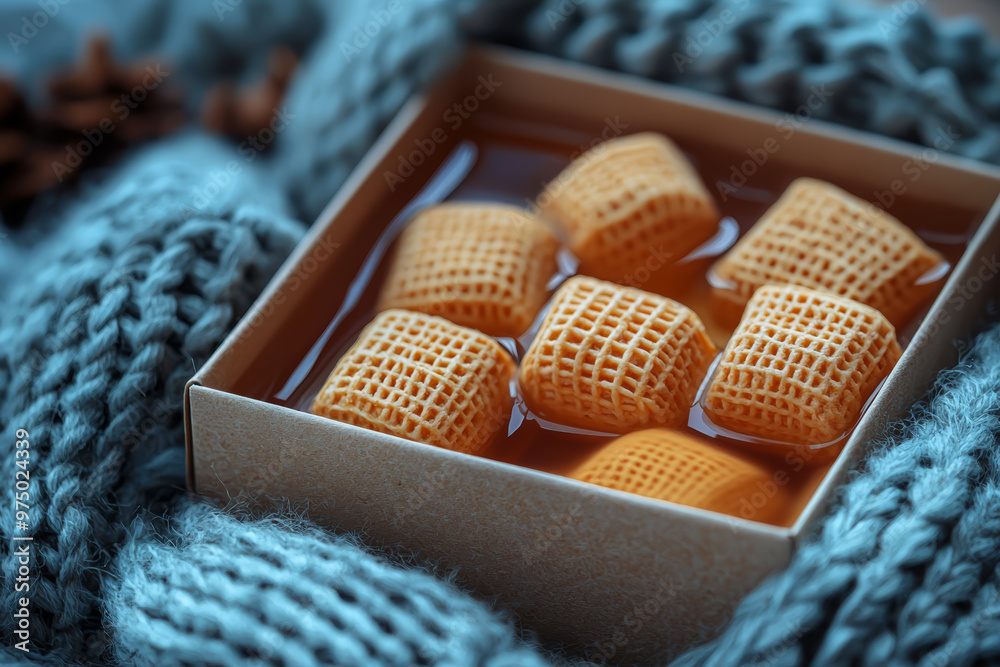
(114, 292)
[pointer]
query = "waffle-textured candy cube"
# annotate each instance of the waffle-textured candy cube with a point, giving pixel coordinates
(800, 366)
(818, 236)
(614, 358)
(422, 378)
(484, 266)
(669, 465)
(629, 205)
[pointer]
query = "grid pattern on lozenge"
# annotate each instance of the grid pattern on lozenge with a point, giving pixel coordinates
(819, 236)
(421, 378)
(800, 366)
(627, 196)
(484, 266)
(612, 358)
(668, 465)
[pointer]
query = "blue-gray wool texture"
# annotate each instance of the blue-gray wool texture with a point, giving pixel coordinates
(113, 294)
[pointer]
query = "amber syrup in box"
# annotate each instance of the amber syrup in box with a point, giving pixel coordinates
(509, 159)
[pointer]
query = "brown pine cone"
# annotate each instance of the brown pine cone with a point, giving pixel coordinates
(240, 114)
(95, 109)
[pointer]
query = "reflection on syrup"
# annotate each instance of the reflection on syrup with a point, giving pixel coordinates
(510, 160)
(455, 169)
(700, 422)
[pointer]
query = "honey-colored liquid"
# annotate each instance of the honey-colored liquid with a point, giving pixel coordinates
(509, 159)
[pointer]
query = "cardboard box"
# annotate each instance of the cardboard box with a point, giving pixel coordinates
(614, 575)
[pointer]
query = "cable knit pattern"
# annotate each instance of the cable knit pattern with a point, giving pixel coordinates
(279, 591)
(112, 299)
(345, 95)
(136, 287)
(893, 71)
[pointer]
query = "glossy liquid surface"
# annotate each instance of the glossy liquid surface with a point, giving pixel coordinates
(508, 160)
